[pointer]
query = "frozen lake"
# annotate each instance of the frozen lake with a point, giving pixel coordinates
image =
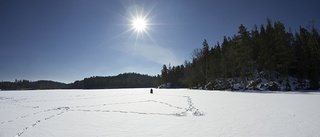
(167, 112)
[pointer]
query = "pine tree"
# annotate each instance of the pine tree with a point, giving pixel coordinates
(283, 49)
(244, 52)
(164, 74)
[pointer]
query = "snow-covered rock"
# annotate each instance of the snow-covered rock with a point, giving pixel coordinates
(260, 82)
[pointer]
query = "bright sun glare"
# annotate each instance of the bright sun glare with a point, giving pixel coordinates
(139, 24)
(139, 21)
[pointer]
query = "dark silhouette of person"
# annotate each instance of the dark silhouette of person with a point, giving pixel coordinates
(151, 91)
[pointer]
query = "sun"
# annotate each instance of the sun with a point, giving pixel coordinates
(139, 21)
(139, 24)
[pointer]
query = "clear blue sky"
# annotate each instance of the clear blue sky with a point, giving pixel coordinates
(68, 40)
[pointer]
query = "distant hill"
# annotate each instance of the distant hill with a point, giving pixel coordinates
(31, 85)
(125, 80)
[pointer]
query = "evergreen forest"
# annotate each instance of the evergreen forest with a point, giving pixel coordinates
(270, 53)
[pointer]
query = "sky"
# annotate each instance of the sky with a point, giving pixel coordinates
(69, 40)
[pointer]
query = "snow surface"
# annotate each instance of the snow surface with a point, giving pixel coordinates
(167, 112)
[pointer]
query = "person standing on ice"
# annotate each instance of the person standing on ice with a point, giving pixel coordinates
(151, 91)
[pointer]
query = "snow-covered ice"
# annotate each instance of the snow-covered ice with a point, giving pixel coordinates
(167, 112)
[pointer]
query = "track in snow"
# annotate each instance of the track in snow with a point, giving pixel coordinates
(191, 110)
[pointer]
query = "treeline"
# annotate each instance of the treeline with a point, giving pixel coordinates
(269, 51)
(126, 80)
(173, 77)
(31, 85)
